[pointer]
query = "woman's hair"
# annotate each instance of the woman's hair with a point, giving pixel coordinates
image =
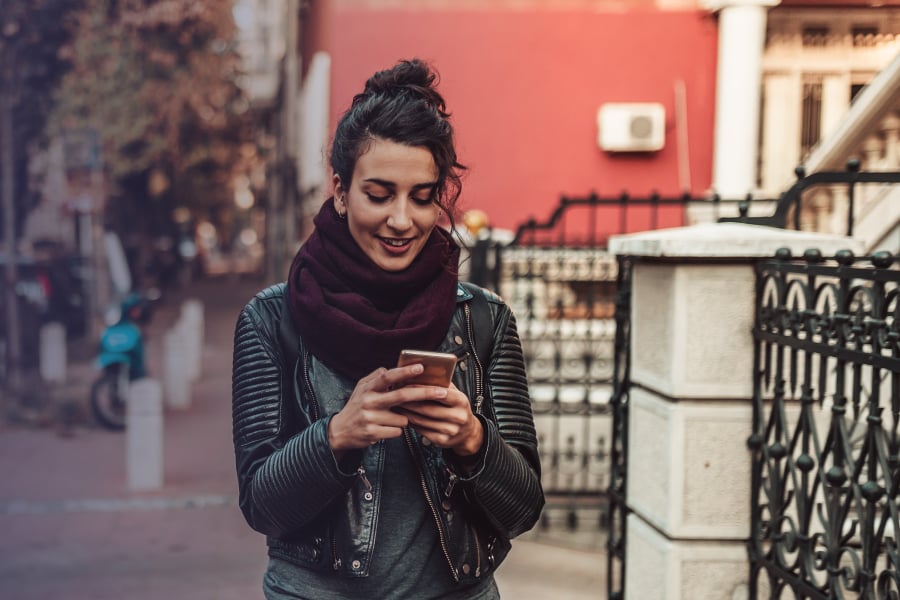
(402, 105)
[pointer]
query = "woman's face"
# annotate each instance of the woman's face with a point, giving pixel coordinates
(390, 203)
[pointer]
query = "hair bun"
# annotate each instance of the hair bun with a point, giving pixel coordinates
(411, 77)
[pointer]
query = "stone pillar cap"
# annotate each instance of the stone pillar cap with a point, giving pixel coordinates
(728, 240)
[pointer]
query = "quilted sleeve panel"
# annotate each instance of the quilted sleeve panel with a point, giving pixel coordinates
(286, 475)
(507, 487)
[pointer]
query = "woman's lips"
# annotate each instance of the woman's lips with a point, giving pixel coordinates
(394, 245)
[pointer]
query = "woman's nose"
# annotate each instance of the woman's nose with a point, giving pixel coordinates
(399, 215)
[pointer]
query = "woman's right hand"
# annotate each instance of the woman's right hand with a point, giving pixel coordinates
(367, 417)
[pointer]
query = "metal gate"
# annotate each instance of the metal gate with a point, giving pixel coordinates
(826, 428)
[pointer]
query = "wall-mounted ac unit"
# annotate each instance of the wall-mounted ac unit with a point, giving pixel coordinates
(631, 127)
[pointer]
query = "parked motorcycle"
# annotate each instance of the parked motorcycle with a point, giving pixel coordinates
(121, 360)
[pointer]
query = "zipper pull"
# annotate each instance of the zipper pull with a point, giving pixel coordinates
(362, 475)
(450, 484)
(479, 400)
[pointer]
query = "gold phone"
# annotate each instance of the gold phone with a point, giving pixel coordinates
(439, 366)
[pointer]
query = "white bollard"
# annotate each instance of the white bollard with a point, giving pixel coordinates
(53, 353)
(192, 328)
(176, 374)
(144, 435)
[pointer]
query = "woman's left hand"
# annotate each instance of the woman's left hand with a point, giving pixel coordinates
(448, 423)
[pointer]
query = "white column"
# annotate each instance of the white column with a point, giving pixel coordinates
(781, 132)
(835, 101)
(742, 29)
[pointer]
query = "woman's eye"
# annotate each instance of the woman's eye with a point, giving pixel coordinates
(377, 199)
(422, 201)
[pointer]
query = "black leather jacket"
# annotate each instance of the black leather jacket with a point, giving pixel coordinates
(320, 513)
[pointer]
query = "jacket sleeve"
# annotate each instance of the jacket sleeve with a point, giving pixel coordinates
(506, 486)
(285, 478)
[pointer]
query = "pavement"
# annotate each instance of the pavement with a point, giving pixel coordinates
(73, 530)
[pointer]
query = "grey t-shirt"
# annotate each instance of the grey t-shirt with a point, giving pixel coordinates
(407, 562)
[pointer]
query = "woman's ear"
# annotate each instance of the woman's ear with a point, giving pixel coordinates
(339, 192)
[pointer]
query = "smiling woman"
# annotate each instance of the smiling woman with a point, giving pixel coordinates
(366, 484)
(389, 203)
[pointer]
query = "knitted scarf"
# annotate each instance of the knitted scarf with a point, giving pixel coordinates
(354, 316)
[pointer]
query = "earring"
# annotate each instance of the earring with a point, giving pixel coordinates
(341, 215)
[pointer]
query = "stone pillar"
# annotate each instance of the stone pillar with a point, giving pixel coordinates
(144, 435)
(742, 30)
(688, 478)
(52, 338)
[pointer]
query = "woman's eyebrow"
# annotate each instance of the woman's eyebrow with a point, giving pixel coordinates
(391, 185)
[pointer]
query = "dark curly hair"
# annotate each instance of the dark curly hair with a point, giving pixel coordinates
(401, 105)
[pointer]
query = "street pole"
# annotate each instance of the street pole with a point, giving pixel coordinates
(7, 102)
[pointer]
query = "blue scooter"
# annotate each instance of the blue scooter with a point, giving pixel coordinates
(121, 360)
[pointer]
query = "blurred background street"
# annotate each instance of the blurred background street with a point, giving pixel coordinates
(73, 530)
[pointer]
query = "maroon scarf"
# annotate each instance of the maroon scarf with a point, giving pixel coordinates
(354, 316)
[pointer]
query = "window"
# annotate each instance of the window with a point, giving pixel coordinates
(815, 35)
(864, 35)
(811, 116)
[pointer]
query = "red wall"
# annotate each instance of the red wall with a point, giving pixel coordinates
(524, 88)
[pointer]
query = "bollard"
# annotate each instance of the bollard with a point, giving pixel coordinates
(144, 435)
(192, 328)
(176, 375)
(52, 352)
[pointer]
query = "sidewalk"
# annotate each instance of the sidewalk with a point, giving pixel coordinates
(72, 530)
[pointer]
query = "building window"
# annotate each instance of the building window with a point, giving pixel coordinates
(864, 36)
(811, 116)
(815, 36)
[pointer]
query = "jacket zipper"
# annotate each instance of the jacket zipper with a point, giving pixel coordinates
(479, 377)
(441, 536)
(477, 551)
(361, 471)
(336, 564)
(309, 388)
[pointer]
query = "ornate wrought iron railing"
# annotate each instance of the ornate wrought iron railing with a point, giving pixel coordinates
(826, 428)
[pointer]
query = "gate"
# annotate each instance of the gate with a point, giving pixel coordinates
(826, 428)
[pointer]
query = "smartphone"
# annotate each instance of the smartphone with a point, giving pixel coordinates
(439, 366)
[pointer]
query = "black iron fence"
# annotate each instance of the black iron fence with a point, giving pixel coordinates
(572, 300)
(825, 441)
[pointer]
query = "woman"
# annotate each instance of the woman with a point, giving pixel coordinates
(366, 487)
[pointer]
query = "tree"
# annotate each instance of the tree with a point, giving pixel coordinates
(156, 81)
(34, 38)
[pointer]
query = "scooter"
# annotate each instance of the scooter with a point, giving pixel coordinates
(121, 361)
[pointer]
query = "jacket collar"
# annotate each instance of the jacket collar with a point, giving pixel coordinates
(462, 294)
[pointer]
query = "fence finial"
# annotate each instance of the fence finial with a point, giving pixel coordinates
(844, 257)
(882, 259)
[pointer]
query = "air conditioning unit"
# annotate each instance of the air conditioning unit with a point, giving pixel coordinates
(631, 127)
